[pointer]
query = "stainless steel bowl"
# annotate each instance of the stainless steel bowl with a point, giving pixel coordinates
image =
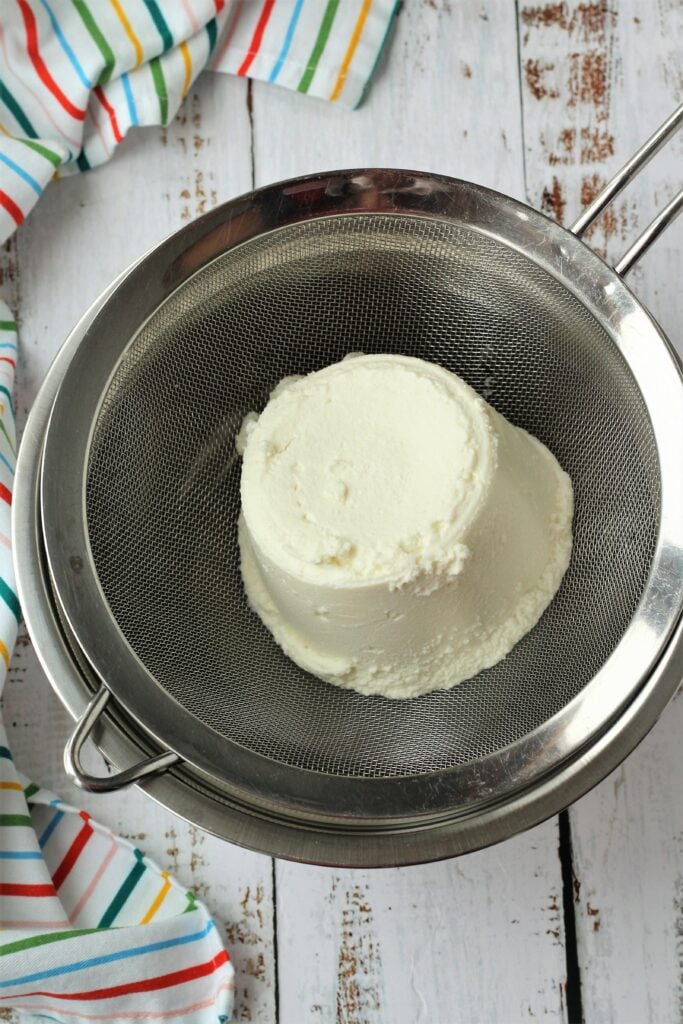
(557, 321)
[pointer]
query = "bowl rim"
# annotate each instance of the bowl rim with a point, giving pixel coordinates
(374, 803)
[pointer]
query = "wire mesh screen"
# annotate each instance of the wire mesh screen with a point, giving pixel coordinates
(163, 478)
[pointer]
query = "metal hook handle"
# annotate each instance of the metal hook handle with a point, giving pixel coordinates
(651, 232)
(105, 784)
(619, 182)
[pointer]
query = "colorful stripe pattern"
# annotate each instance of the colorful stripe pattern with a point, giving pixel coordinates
(75, 75)
(90, 929)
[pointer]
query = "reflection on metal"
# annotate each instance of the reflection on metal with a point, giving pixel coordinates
(273, 805)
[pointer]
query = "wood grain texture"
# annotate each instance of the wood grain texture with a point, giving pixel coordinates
(434, 105)
(628, 859)
(478, 939)
(598, 79)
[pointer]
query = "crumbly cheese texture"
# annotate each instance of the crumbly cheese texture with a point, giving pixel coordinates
(397, 534)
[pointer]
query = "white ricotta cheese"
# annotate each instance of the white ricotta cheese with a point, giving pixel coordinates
(397, 534)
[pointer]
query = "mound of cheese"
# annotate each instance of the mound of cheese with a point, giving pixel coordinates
(397, 534)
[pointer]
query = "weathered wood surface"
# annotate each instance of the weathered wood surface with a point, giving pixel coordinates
(536, 100)
(597, 79)
(477, 939)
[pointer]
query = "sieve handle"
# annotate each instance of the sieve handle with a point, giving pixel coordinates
(105, 784)
(619, 182)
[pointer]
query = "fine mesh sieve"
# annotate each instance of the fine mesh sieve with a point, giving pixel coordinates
(162, 497)
(139, 501)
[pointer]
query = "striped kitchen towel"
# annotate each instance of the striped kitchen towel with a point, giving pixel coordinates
(90, 929)
(75, 75)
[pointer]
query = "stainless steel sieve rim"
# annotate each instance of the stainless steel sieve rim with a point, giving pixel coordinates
(552, 248)
(121, 742)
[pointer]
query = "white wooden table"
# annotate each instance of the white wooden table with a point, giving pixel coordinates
(584, 914)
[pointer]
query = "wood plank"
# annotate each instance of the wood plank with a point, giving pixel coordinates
(479, 938)
(474, 939)
(597, 81)
(433, 105)
(82, 233)
(598, 78)
(628, 857)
